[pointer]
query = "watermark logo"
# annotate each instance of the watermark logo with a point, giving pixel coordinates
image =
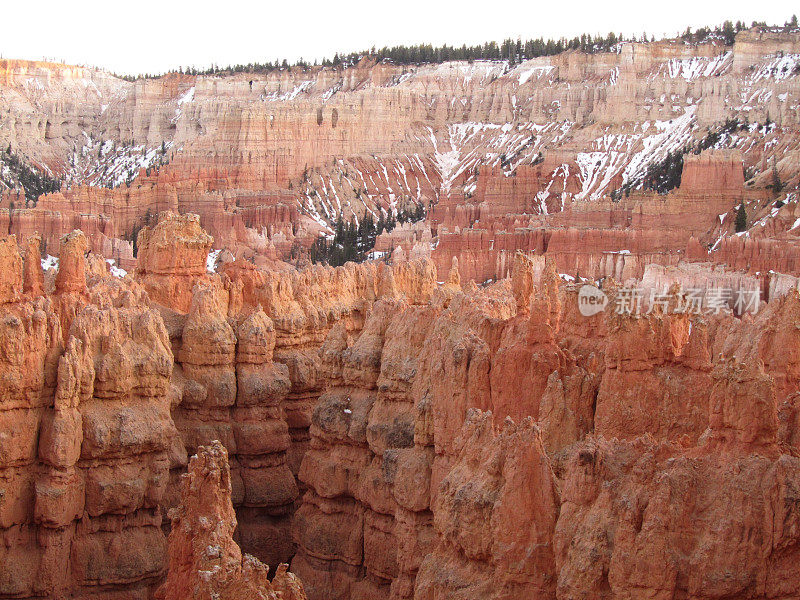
(636, 301)
(591, 300)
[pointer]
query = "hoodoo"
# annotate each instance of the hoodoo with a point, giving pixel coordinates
(204, 561)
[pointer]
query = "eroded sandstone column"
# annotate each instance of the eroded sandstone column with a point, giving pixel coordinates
(204, 561)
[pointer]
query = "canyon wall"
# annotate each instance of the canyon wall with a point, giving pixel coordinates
(270, 160)
(579, 477)
(388, 435)
(87, 432)
(395, 430)
(592, 238)
(110, 383)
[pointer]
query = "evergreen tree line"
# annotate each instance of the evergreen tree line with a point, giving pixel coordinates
(513, 50)
(352, 242)
(728, 30)
(35, 181)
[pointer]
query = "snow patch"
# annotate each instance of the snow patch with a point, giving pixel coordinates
(298, 89)
(211, 261)
(50, 262)
(538, 71)
(187, 97)
(779, 68)
(696, 67)
(114, 269)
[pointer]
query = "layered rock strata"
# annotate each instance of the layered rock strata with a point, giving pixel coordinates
(423, 495)
(270, 160)
(84, 458)
(391, 436)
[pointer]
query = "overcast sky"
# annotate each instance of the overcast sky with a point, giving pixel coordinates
(149, 36)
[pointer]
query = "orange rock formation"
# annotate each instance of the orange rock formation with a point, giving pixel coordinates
(389, 436)
(395, 430)
(204, 561)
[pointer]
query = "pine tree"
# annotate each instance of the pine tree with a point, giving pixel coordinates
(729, 33)
(741, 218)
(777, 185)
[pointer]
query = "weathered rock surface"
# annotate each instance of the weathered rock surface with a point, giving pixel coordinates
(500, 504)
(204, 561)
(86, 429)
(268, 160)
(390, 436)
(172, 257)
(495, 515)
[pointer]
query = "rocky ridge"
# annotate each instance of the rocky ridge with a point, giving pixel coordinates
(269, 161)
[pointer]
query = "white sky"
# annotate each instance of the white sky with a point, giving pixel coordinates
(142, 36)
